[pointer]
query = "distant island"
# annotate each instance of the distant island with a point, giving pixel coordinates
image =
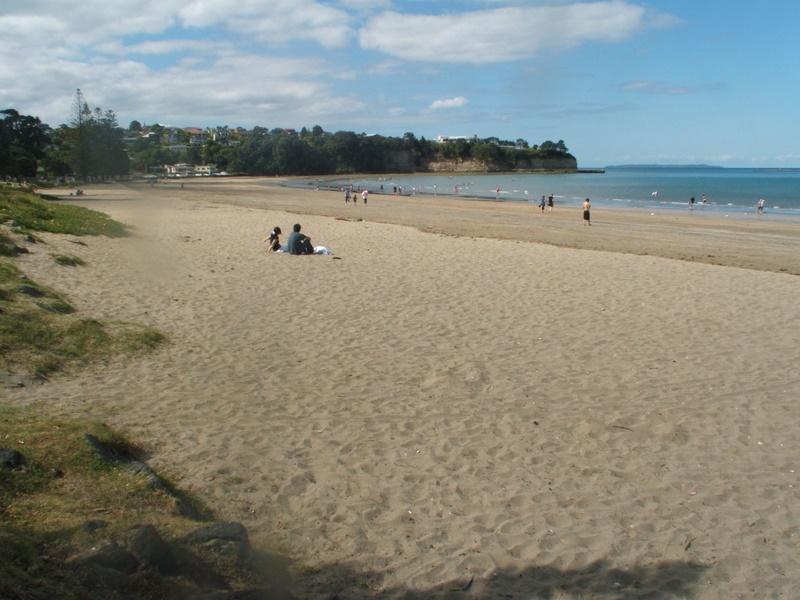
(662, 166)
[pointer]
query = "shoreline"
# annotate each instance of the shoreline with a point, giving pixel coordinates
(763, 244)
(711, 209)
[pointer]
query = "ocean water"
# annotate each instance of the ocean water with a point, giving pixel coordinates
(729, 190)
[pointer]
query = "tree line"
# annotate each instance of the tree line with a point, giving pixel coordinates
(89, 148)
(92, 146)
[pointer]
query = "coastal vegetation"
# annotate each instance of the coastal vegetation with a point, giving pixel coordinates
(27, 211)
(85, 517)
(40, 331)
(92, 146)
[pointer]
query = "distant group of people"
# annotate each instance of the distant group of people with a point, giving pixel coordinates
(297, 243)
(349, 193)
(548, 202)
(692, 201)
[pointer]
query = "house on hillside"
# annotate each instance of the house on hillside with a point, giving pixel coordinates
(197, 136)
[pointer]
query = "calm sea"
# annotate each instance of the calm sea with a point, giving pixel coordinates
(730, 190)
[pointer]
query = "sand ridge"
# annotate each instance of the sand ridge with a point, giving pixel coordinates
(432, 410)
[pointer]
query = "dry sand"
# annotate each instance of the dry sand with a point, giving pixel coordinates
(430, 410)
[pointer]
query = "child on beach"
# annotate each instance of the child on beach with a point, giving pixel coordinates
(587, 207)
(542, 202)
(274, 240)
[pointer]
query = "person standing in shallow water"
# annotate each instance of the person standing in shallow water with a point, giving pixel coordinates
(587, 209)
(691, 203)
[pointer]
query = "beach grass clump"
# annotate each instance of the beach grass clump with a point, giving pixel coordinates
(29, 211)
(68, 260)
(6, 245)
(40, 334)
(64, 499)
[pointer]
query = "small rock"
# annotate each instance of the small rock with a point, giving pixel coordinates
(108, 556)
(151, 550)
(225, 538)
(94, 525)
(10, 459)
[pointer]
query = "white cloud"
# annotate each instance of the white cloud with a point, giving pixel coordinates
(274, 22)
(234, 88)
(173, 46)
(504, 34)
(456, 102)
(82, 24)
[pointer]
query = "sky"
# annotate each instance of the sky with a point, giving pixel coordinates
(683, 81)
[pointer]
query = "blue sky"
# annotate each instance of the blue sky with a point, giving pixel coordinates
(618, 81)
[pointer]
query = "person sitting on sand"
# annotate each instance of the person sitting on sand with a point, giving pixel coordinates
(274, 240)
(299, 243)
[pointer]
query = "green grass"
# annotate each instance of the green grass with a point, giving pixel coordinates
(6, 245)
(39, 334)
(64, 485)
(67, 260)
(28, 211)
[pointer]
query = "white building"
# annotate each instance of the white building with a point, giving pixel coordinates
(204, 170)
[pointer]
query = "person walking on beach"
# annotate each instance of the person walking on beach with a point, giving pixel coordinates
(550, 203)
(543, 202)
(587, 208)
(760, 206)
(364, 195)
(347, 196)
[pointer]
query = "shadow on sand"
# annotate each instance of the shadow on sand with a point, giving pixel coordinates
(669, 580)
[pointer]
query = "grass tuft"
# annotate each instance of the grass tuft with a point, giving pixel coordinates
(67, 260)
(28, 211)
(40, 335)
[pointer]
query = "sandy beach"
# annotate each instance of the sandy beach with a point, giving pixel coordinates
(469, 396)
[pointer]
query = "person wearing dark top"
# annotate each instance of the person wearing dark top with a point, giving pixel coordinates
(299, 243)
(274, 240)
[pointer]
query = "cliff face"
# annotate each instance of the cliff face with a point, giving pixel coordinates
(567, 163)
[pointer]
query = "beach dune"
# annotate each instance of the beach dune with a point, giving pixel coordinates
(451, 403)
